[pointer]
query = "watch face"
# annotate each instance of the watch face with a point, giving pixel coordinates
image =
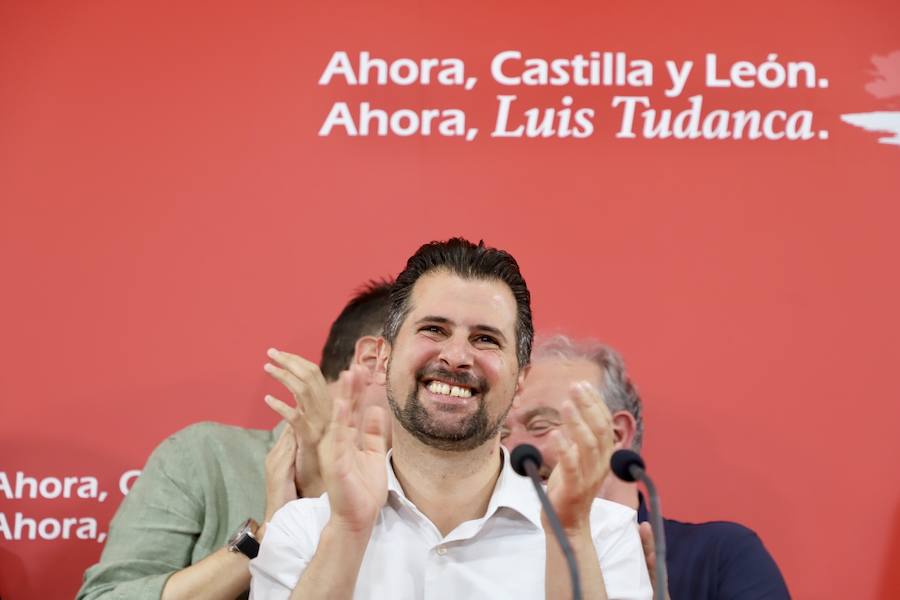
(243, 530)
(243, 540)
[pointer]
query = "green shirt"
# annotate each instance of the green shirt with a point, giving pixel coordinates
(198, 486)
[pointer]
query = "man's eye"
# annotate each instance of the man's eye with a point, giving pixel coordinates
(487, 340)
(541, 427)
(432, 329)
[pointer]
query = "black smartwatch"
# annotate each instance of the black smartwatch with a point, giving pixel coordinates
(244, 540)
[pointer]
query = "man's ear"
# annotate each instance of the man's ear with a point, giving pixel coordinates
(383, 352)
(520, 380)
(365, 353)
(624, 428)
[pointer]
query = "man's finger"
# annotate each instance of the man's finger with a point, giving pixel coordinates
(345, 387)
(593, 409)
(295, 385)
(283, 450)
(278, 449)
(287, 433)
(374, 430)
(595, 414)
(290, 438)
(649, 545)
(340, 423)
(297, 365)
(582, 437)
(568, 456)
(294, 416)
(336, 451)
(357, 385)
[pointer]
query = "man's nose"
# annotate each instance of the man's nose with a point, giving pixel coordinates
(456, 353)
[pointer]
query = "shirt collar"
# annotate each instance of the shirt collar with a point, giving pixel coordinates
(512, 491)
(393, 483)
(516, 493)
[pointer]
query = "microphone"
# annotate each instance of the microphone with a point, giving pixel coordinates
(522, 454)
(526, 460)
(629, 466)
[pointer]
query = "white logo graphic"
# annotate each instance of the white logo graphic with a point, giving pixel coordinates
(885, 85)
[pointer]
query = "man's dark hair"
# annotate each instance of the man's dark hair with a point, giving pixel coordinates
(469, 261)
(364, 315)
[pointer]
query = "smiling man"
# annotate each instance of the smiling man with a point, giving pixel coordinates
(443, 515)
(717, 560)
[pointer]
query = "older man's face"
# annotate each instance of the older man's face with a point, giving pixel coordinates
(536, 410)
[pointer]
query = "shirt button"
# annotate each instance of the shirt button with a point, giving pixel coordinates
(441, 551)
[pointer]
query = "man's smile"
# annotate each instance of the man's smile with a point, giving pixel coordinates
(442, 388)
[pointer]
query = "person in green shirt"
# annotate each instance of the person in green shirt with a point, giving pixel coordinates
(170, 537)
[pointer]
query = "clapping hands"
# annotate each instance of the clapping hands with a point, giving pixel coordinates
(585, 444)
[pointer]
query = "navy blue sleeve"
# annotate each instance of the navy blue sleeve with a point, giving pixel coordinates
(746, 569)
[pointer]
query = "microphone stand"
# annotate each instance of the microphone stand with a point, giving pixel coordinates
(659, 533)
(532, 471)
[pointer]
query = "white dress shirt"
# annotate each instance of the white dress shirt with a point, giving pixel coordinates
(501, 555)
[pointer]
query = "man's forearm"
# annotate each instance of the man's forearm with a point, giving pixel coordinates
(223, 575)
(334, 569)
(558, 580)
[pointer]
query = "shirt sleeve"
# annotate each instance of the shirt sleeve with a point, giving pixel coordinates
(287, 548)
(747, 571)
(622, 559)
(153, 532)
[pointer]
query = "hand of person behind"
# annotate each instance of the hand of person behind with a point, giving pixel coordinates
(309, 416)
(281, 486)
(649, 545)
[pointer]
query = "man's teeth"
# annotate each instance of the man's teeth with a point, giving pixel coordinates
(445, 389)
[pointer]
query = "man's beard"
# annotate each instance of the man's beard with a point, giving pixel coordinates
(473, 431)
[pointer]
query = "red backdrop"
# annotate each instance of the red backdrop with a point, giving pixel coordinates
(169, 212)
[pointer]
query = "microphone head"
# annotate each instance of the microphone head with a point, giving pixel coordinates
(522, 454)
(622, 461)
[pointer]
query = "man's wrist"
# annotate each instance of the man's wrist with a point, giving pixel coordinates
(245, 541)
(260, 531)
(579, 529)
(341, 531)
(576, 532)
(310, 487)
(580, 536)
(309, 452)
(309, 476)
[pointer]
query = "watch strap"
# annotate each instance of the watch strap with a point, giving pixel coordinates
(244, 539)
(247, 545)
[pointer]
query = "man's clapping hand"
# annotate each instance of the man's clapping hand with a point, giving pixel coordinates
(585, 445)
(352, 460)
(308, 417)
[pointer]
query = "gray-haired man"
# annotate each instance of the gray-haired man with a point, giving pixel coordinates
(706, 561)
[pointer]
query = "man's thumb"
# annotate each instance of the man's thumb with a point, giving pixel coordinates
(648, 544)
